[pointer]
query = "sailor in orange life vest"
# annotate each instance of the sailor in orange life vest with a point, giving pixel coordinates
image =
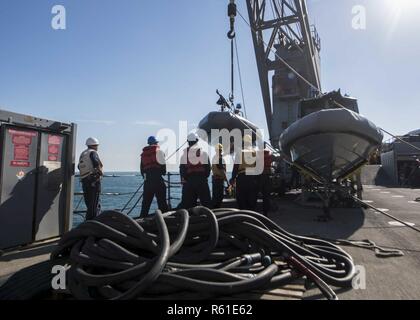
(152, 168)
(243, 175)
(218, 168)
(195, 170)
(91, 171)
(265, 181)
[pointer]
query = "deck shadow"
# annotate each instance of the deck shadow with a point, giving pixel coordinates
(302, 220)
(28, 253)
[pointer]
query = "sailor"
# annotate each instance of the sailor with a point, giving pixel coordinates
(195, 170)
(413, 177)
(91, 171)
(243, 175)
(295, 178)
(219, 177)
(356, 183)
(265, 180)
(152, 168)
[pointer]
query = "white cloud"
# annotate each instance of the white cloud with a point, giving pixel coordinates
(150, 123)
(106, 122)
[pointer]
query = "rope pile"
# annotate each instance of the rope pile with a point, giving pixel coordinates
(200, 251)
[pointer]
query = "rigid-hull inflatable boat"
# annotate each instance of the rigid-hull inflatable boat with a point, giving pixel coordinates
(331, 144)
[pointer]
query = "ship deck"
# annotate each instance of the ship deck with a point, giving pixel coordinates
(386, 278)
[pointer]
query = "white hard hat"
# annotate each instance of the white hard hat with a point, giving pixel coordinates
(192, 137)
(92, 142)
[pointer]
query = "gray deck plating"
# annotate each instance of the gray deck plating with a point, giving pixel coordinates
(386, 278)
(17, 260)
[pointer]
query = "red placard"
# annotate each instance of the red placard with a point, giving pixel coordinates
(54, 143)
(21, 140)
(24, 164)
(53, 149)
(55, 140)
(21, 152)
(22, 133)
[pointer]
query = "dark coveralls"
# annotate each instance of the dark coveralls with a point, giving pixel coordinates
(91, 186)
(196, 182)
(218, 183)
(295, 179)
(246, 188)
(154, 184)
(265, 182)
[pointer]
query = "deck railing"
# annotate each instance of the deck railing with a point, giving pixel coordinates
(128, 208)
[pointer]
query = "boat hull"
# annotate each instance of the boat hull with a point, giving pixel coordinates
(223, 120)
(331, 144)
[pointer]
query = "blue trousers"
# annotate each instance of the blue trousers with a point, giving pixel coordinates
(91, 191)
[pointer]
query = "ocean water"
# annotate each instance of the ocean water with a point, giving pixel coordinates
(124, 183)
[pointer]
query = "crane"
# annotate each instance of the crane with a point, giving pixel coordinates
(287, 44)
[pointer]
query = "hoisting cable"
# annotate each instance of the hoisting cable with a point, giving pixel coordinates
(232, 72)
(176, 151)
(407, 224)
(232, 11)
(383, 130)
(401, 140)
(240, 78)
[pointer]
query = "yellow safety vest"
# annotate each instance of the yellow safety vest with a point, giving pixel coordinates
(248, 160)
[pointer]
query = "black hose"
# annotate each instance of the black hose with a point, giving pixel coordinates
(212, 253)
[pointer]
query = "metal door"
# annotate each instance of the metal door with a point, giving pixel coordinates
(18, 179)
(50, 211)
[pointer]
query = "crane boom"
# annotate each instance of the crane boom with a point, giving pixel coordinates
(285, 43)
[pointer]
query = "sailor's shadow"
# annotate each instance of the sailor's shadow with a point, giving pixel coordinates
(49, 182)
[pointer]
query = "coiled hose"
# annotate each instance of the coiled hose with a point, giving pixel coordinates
(212, 253)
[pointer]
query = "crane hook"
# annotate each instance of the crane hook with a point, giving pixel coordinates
(232, 11)
(231, 34)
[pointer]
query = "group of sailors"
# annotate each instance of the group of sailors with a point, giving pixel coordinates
(195, 170)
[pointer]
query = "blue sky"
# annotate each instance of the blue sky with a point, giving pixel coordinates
(124, 69)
